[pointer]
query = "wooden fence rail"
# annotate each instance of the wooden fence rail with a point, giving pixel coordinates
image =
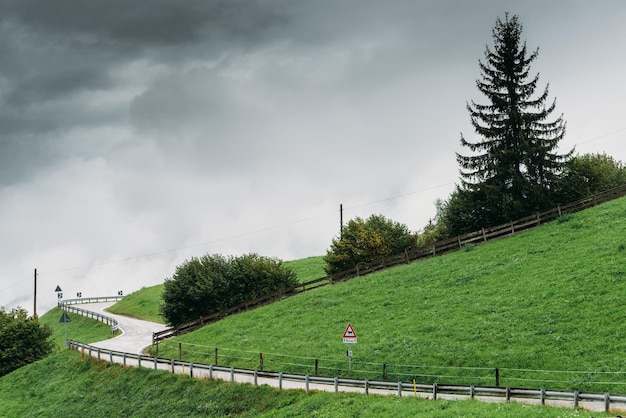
(575, 399)
(406, 257)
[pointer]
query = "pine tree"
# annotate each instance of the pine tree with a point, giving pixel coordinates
(515, 163)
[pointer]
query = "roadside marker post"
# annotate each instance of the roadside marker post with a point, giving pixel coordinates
(349, 337)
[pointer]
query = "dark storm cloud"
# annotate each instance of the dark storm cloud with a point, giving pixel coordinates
(54, 53)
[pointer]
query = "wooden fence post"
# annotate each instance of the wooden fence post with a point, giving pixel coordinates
(216, 356)
(317, 362)
(497, 377)
(261, 361)
(384, 371)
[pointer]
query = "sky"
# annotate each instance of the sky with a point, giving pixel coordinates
(136, 135)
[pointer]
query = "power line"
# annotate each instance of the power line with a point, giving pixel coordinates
(601, 136)
(157, 253)
(201, 244)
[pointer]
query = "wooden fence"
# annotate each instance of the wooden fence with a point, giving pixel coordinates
(576, 399)
(406, 257)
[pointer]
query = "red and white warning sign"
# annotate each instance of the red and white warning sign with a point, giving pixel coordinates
(349, 336)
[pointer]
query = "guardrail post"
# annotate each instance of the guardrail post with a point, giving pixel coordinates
(336, 384)
(542, 395)
(172, 364)
(576, 397)
(280, 381)
(399, 388)
(306, 383)
(98, 354)
(256, 374)
(607, 402)
(472, 392)
(110, 357)
(190, 369)
(155, 363)
(232, 374)
(367, 386)
(434, 391)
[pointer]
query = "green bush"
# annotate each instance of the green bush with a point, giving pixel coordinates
(23, 340)
(367, 240)
(212, 283)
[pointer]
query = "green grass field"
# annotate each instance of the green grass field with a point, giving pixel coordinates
(546, 307)
(79, 329)
(551, 299)
(66, 384)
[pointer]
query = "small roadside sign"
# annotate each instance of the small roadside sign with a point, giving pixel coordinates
(65, 318)
(349, 336)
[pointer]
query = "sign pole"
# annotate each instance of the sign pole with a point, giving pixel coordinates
(349, 337)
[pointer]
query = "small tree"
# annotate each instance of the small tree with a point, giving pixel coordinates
(515, 164)
(23, 340)
(589, 174)
(367, 240)
(212, 283)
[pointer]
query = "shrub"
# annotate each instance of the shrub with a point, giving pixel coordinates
(367, 240)
(212, 283)
(23, 340)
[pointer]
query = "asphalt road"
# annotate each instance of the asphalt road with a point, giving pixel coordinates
(136, 333)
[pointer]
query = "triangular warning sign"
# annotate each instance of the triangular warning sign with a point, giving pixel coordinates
(349, 332)
(349, 336)
(65, 318)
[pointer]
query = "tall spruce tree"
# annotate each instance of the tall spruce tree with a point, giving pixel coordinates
(515, 162)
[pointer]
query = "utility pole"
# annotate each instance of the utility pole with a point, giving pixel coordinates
(35, 297)
(340, 221)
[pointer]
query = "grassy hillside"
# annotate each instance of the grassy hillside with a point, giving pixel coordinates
(308, 269)
(66, 384)
(548, 299)
(79, 329)
(145, 302)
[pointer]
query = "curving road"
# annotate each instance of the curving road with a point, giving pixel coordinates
(136, 333)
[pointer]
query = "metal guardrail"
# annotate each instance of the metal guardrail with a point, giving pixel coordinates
(406, 257)
(575, 399)
(66, 305)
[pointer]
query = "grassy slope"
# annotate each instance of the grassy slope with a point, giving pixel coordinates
(67, 384)
(79, 329)
(548, 299)
(308, 269)
(142, 304)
